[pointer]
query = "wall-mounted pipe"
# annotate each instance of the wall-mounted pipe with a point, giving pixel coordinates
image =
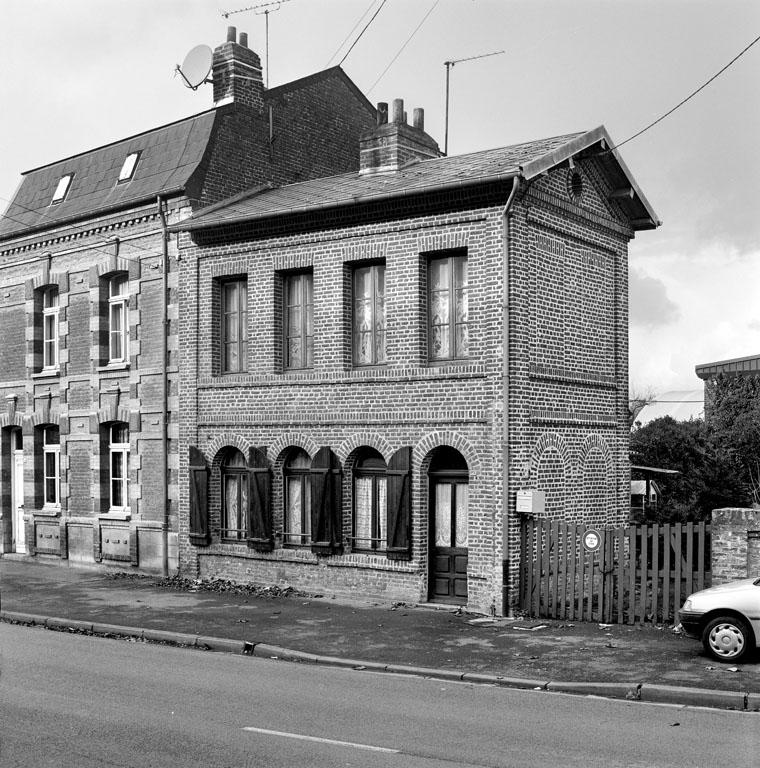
(164, 383)
(505, 215)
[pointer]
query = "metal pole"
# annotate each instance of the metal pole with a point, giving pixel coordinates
(446, 134)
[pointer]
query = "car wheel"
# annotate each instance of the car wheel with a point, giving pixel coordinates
(727, 638)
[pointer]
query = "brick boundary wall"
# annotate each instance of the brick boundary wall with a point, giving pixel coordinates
(735, 544)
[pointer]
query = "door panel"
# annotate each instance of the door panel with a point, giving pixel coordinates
(448, 560)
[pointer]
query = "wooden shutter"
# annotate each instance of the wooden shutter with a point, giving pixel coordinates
(259, 501)
(326, 519)
(198, 523)
(399, 473)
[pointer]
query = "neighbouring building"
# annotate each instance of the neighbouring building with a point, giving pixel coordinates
(738, 366)
(384, 369)
(89, 354)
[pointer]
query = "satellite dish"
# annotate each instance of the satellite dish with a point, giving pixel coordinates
(196, 67)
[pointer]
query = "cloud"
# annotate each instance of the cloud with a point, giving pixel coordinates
(649, 303)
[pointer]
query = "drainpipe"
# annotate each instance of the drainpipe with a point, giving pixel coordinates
(505, 215)
(164, 383)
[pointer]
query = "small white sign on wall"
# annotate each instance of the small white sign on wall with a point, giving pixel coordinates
(531, 502)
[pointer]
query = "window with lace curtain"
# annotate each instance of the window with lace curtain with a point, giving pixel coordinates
(369, 315)
(448, 312)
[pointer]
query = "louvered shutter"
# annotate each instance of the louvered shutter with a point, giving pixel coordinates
(259, 511)
(198, 523)
(326, 519)
(399, 473)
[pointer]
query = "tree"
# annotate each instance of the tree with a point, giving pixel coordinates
(708, 477)
(734, 424)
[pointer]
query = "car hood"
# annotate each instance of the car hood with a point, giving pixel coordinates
(732, 587)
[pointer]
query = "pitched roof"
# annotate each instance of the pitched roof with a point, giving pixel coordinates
(529, 159)
(168, 156)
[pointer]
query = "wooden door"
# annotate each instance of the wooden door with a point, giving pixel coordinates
(448, 551)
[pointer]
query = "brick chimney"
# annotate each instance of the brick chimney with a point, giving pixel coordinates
(393, 144)
(237, 73)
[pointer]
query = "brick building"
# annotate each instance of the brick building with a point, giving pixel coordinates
(379, 364)
(88, 306)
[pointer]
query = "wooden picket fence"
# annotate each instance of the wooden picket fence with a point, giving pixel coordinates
(637, 573)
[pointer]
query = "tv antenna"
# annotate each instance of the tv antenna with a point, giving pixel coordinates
(196, 67)
(257, 9)
(449, 66)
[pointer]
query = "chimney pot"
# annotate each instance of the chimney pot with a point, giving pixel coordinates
(231, 34)
(419, 118)
(244, 39)
(398, 111)
(382, 113)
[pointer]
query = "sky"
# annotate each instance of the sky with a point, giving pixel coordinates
(82, 73)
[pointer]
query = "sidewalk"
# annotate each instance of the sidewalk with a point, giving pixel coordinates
(647, 663)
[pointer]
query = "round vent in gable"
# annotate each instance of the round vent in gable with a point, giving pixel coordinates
(574, 185)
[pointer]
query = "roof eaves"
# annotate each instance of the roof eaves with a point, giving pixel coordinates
(583, 141)
(191, 224)
(24, 231)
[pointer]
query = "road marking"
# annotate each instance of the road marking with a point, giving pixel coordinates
(302, 737)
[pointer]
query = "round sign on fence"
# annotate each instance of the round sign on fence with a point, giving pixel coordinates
(592, 540)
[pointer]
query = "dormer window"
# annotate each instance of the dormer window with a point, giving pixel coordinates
(128, 169)
(63, 187)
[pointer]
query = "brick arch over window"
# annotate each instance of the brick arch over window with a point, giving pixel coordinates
(362, 440)
(280, 447)
(550, 472)
(111, 265)
(115, 412)
(11, 420)
(225, 440)
(425, 447)
(596, 473)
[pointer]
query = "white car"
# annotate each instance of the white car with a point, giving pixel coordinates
(725, 618)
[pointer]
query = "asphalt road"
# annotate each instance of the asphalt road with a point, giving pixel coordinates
(71, 700)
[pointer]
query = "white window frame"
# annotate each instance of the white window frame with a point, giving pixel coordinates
(50, 339)
(128, 168)
(62, 188)
(53, 450)
(118, 305)
(116, 448)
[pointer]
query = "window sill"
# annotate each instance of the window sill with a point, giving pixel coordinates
(47, 373)
(116, 515)
(50, 510)
(113, 367)
(449, 361)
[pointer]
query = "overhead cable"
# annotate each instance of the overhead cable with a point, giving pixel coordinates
(691, 95)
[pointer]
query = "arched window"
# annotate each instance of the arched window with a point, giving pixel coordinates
(370, 502)
(297, 493)
(234, 495)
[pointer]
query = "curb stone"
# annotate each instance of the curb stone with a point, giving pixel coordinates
(647, 692)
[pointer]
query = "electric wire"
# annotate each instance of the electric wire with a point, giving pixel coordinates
(366, 27)
(401, 50)
(690, 96)
(353, 29)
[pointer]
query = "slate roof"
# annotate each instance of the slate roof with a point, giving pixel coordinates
(528, 159)
(168, 156)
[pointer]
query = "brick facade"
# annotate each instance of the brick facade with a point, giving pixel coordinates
(104, 229)
(552, 417)
(735, 537)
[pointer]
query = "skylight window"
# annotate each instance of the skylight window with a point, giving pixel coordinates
(128, 169)
(63, 187)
